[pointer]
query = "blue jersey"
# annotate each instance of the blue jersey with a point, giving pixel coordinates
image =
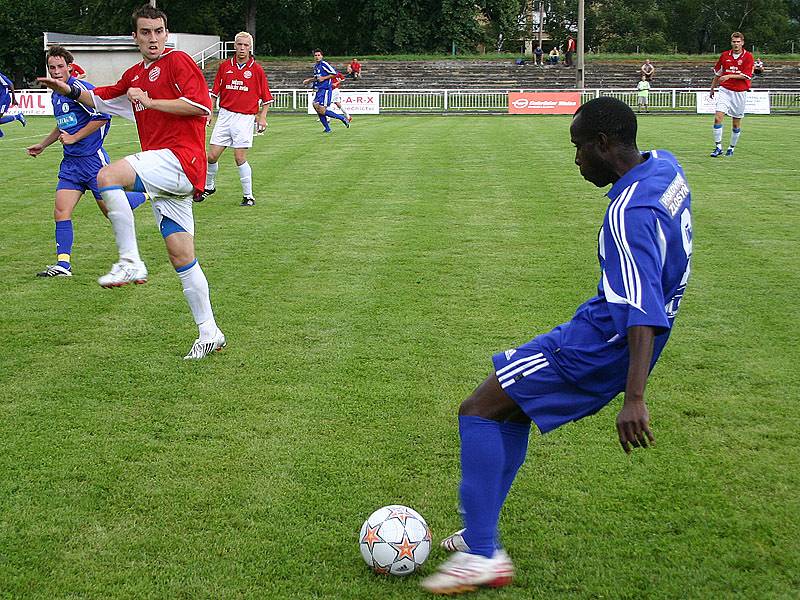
(644, 249)
(321, 69)
(72, 116)
(5, 92)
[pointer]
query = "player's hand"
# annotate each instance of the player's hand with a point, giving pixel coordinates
(34, 150)
(261, 125)
(208, 121)
(140, 96)
(711, 93)
(633, 426)
(67, 139)
(54, 84)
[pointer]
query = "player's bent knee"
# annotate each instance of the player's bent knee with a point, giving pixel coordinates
(489, 401)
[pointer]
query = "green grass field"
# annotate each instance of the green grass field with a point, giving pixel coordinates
(362, 298)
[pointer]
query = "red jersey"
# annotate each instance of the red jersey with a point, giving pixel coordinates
(337, 80)
(240, 88)
(76, 70)
(173, 75)
(355, 66)
(728, 65)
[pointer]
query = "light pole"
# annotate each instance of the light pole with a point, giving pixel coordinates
(579, 83)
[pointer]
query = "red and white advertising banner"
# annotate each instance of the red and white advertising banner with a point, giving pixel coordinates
(355, 103)
(32, 102)
(543, 103)
(756, 103)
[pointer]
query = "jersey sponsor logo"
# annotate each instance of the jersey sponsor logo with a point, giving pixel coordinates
(154, 73)
(66, 121)
(676, 193)
(248, 74)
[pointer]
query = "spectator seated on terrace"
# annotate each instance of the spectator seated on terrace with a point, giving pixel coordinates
(354, 69)
(553, 56)
(758, 67)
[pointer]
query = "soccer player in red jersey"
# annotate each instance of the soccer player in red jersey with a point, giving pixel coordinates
(167, 96)
(240, 85)
(77, 71)
(336, 95)
(733, 72)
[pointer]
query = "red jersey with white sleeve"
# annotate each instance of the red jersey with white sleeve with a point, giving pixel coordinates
(76, 70)
(730, 64)
(172, 76)
(240, 88)
(337, 80)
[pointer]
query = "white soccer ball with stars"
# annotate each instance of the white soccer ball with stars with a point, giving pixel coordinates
(395, 540)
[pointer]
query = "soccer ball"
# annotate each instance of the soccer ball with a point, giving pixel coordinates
(395, 540)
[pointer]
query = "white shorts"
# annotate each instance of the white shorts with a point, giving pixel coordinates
(731, 103)
(167, 185)
(336, 96)
(233, 130)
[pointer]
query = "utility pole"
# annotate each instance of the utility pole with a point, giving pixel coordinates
(541, 21)
(579, 65)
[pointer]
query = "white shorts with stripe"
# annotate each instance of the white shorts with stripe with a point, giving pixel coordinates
(731, 103)
(233, 130)
(167, 185)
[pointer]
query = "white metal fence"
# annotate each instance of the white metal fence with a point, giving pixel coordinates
(496, 100)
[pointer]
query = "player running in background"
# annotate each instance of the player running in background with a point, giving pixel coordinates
(336, 95)
(7, 100)
(323, 73)
(77, 71)
(82, 131)
(240, 85)
(733, 72)
(609, 346)
(167, 96)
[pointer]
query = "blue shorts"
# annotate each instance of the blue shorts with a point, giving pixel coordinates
(80, 172)
(527, 376)
(323, 97)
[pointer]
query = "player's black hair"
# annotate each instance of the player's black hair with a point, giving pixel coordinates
(61, 52)
(315, 50)
(610, 116)
(147, 12)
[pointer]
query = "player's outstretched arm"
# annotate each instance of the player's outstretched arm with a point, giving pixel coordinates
(74, 92)
(633, 421)
(50, 138)
(178, 106)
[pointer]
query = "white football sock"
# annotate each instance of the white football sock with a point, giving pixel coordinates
(344, 112)
(121, 217)
(246, 177)
(211, 176)
(195, 289)
(718, 135)
(735, 132)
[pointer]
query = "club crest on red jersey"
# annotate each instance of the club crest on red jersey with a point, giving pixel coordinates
(154, 73)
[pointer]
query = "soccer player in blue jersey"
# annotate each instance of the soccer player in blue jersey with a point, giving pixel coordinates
(7, 100)
(81, 130)
(323, 73)
(609, 346)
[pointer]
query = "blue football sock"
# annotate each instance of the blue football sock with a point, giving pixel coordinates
(333, 115)
(7, 119)
(1, 133)
(482, 465)
(324, 120)
(135, 199)
(515, 445)
(64, 239)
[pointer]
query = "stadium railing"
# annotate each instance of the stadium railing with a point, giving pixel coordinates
(496, 100)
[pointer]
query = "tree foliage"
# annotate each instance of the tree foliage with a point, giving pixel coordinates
(353, 27)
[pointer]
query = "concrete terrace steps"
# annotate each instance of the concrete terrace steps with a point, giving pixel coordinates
(455, 74)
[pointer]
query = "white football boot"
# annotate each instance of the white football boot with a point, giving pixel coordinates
(202, 348)
(455, 542)
(123, 273)
(464, 572)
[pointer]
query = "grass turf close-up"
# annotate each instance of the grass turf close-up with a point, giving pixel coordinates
(362, 297)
